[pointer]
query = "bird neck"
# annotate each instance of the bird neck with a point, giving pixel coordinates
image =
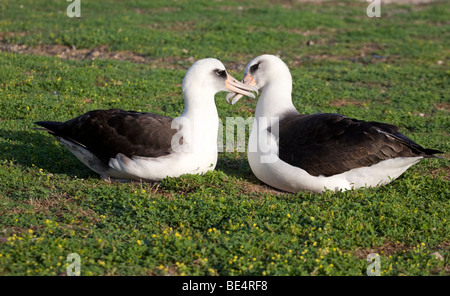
(199, 121)
(275, 99)
(199, 104)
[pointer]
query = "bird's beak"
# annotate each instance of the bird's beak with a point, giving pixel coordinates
(238, 88)
(248, 81)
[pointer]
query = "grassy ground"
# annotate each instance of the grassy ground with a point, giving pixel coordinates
(133, 55)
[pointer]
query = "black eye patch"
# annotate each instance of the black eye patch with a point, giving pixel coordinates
(221, 73)
(254, 68)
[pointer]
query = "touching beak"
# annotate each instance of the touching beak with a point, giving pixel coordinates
(248, 81)
(238, 89)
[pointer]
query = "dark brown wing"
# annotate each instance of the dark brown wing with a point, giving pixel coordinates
(108, 132)
(329, 144)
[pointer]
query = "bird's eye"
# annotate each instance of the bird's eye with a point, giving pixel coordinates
(254, 68)
(221, 73)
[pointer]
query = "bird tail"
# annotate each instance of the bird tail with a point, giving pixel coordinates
(430, 153)
(425, 152)
(392, 131)
(49, 126)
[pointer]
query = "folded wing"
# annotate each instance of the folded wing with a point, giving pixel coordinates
(329, 144)
(108, 132)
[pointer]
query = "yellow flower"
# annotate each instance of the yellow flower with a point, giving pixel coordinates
(138, 242)
(288, 215)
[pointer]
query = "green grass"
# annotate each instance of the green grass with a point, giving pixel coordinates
(225, 222)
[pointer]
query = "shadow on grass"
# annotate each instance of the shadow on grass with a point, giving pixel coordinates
(232, 166)
(236, 164)
(35, 148)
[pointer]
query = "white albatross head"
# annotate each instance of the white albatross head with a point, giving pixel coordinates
(209, 76)
(262, 71)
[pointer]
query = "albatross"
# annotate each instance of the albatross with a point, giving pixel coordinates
(126, 145)
(314, 152)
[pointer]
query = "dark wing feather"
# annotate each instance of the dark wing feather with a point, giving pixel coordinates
(108, 132)
(329, 144)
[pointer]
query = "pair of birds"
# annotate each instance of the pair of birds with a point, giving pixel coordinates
(286, 150)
